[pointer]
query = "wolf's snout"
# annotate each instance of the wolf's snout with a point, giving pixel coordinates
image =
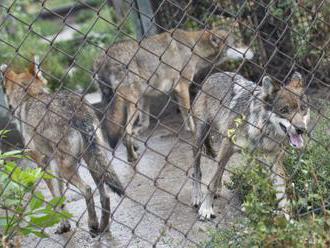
(283, 127)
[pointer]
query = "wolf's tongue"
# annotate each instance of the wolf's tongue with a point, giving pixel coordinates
(297, 140)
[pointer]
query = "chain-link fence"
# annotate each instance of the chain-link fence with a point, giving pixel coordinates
(163, 102)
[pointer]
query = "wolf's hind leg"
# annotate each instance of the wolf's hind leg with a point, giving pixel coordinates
(69, 171)
(44, 162)
(144, 118)
(132, 114)
(105, 202)
(97, 174)
(183, 97)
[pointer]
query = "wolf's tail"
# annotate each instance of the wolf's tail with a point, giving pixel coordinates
(95, 156)
(104, 170)
(108, 176)
(116, 117)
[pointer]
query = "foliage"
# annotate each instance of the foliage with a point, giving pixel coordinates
(66, 62)
(276, 232)
(24, 210)
(262, 225)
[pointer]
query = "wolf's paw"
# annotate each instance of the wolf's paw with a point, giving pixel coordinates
(63, 227)
(196, 198)
(131, 158)
(206, 212)
(94, 230)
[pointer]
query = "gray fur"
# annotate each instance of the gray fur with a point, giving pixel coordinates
(224, 98)
(159, 64)
(63, 128)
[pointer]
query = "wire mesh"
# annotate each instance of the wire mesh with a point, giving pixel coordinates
(127, 66)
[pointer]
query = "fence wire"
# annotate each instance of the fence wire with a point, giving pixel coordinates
(126, 66)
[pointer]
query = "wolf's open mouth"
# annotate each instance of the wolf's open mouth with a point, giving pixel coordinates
(296, 140)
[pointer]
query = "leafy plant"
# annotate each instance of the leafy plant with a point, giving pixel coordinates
(24, 210)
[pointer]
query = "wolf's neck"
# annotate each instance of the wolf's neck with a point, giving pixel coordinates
(17, 99)
(261, 131)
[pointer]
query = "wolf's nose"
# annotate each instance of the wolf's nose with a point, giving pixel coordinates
(300, 130)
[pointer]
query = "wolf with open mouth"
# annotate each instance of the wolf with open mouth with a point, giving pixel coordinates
(274, 116)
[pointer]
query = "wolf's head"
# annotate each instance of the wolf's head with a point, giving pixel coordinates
(290, 111)
(30, 81)
(228, 46)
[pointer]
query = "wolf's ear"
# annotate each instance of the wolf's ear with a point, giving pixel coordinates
(269, 86)
(35, 71)
(34, 66)
(296, 81)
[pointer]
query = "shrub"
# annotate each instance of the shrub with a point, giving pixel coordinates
(23, 208)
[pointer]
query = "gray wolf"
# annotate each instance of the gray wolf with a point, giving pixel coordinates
(61, 127)
(275, 115)
(157, 65)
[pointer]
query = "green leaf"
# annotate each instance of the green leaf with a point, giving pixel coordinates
(12, 154)
(45, 221)
(56, 202)
(3, 133)
(65, 214)
(47, 175)
(280, 221)
(25, 231)
(37, 200)
(61, 214)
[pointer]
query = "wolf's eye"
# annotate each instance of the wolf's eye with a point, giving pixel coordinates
(285, 110)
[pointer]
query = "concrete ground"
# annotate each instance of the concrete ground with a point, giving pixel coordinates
(156, 210)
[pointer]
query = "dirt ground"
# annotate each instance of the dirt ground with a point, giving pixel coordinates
(156, 210)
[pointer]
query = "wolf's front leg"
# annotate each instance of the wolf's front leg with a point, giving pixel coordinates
(279, 184)
(183, 96)
(206, 209)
